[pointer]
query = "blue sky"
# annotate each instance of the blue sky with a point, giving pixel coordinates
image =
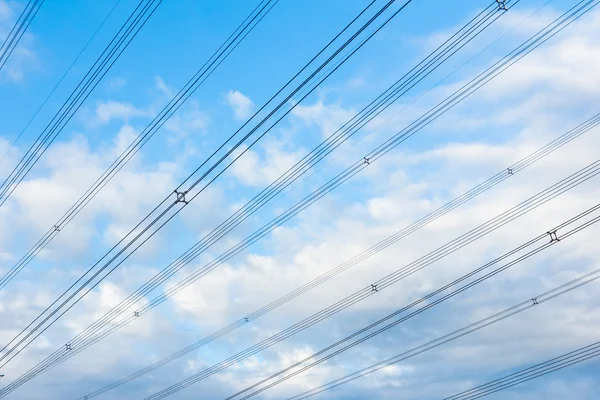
(544, 95)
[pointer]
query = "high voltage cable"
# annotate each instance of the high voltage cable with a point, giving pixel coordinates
(189, 88)
(556, 234)
(18, 30)
(375, 287)
(263, 231)
(532, 302)
(532, 43)
(14, 346)
(58, 83)
(128, 31)
(444, 53)
(382, 245)
(527, 374)
(357, 167)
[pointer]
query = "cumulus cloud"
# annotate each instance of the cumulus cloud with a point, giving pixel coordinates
(255, 170)
(417, 178)
(108, 111)
(241, 105)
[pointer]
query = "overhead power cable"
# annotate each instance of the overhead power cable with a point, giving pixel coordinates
(375, 287)
(18, 30)
(173, 204)
(516, 378)
(527, 304)
(382, 245)
(461, 38)
(528, 249)
(261, 10)
(543, 35)
(12, 145)
(128, 31)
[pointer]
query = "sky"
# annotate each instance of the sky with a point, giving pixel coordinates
(538, 99)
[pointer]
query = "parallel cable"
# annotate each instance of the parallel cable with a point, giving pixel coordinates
(532, 302)
(566, 360)
(556, 235)
(128, 31)
(14, 346)
(470, 28)
(536, 40)
(484, 229)
(261, 10)
(382, 245)
(18, 30)
(12, 145)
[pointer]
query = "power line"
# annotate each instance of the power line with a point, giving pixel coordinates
(276, 222)
(17, 344)
(532, 302)
(128, 31)
(566, 360)
(12, 145)
(380, 246)
(375, 287)
(555, 234)
(528, 46)
(261, 10)
(18, 30)
(463, 36)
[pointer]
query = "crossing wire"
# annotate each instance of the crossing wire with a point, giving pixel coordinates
(382, 245)
(363, 334)
(18, 30)
(484, 229)
(16, 345)
(525, 305)
(84, 88)
(180, 98)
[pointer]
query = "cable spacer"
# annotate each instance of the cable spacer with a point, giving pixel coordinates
(180, 197)
(56, 228)
(374, 288)
(502, 5)
(367, 160)
(535, 302)
(246, 319)
(68, 347)
(136, 313)
(510, 171)
(553, 236)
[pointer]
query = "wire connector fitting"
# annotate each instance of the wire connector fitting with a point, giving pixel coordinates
(180, 197)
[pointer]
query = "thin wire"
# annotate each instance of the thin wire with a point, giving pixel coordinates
(535, 369)
(59, 82)
(14, 40)
(529, 50)
(37, 331)
(417, 265)
(492, 319)
(97, 322)
(428, 305)
(39, 148)
(192, 85)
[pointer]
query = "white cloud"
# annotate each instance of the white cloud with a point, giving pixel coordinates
(23, 57)
(253, 170)
(107, 111)
(116, 83)
(430, 169)
(241, 105)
